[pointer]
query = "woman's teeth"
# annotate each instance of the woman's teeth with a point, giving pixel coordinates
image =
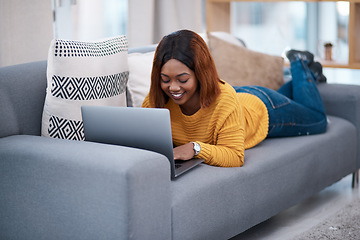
(177, 95)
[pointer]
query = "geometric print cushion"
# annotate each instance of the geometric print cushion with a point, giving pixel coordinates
(82, 73)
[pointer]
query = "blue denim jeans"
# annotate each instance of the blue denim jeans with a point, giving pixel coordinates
(296, 108)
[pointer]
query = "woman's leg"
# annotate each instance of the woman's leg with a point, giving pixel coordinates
(303, 78)
(302, 115)
(304, 89)
(286, 90)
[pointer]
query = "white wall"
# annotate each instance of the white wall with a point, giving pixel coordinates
(141, 14)
(172, 15)
(26, 29)
(150, 20)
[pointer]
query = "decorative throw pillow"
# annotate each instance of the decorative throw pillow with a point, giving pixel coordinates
(82, 73)
(140, 66)
(240, 66)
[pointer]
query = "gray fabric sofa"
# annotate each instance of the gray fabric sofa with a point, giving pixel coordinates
(60, 189)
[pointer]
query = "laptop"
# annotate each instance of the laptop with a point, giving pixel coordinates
(144, 128)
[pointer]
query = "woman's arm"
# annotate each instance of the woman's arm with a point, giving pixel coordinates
(229, 147)
(228, 150)
(228, 138)
(184, 152)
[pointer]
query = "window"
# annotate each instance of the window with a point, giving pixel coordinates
(275, 27)
(89, 19)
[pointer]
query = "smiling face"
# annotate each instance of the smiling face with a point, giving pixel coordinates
(180, 84)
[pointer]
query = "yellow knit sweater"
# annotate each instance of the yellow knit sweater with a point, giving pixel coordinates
(232, 123)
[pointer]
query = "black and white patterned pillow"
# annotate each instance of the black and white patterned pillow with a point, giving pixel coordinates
(82, 73)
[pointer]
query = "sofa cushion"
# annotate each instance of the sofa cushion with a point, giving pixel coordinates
(140, 66)
(22, 94)
(82, 73)
(240, 66)
(223, 36)
(277, 174)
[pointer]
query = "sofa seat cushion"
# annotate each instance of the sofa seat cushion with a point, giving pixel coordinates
(277, 174)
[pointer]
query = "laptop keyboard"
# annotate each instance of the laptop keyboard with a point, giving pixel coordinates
(178, 163)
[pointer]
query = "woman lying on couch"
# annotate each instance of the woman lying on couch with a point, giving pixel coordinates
(211, 120)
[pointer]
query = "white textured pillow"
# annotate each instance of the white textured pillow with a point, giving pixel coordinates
(82, 73)
(140, 67)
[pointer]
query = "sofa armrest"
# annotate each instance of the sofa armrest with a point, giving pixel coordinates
(60, 189)
(343, 100)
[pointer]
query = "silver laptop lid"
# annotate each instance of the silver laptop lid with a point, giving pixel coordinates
(145, 128)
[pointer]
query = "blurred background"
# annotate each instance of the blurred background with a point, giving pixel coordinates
(27, 27)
